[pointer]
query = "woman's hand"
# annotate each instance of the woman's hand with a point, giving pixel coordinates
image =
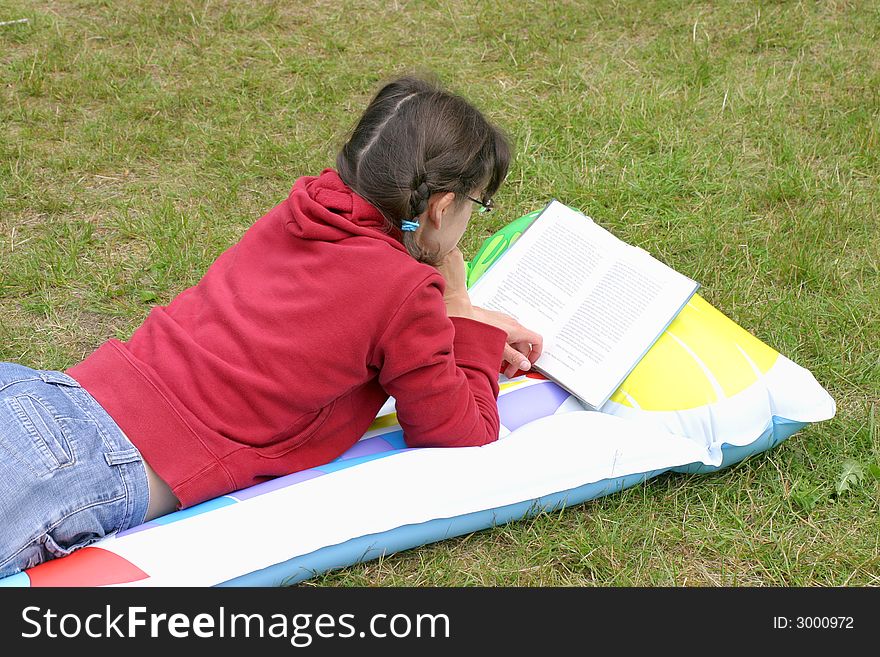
(523, 346)
(453, 270)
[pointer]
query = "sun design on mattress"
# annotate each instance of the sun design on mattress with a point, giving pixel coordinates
(711, 357)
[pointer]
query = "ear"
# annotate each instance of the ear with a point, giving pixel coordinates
(437, 206)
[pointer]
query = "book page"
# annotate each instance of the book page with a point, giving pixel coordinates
(546, 272)
(598, 302)
(600, 322)
(550, 273)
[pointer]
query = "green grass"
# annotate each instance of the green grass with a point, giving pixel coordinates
(737, 141)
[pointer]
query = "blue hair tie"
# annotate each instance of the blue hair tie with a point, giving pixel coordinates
(409, 225)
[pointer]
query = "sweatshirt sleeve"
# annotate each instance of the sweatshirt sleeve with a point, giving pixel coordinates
(441, 371)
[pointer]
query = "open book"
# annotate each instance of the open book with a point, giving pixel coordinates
(598, 302)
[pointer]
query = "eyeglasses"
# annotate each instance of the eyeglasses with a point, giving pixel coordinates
(485, 206)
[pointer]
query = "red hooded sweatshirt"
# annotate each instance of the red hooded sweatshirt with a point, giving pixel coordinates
(280, 357)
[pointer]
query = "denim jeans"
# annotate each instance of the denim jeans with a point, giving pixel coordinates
(69, 476)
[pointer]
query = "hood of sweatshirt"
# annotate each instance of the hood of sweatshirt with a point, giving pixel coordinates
(324, 208)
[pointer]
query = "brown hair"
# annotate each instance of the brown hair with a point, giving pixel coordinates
(415, 139)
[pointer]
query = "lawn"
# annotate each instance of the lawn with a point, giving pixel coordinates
(739, 142)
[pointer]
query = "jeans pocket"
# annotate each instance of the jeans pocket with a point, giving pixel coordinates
(48, 432)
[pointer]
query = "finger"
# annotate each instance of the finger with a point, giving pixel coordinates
(517, 356)
(524, 349)
(510, 371)
(519, 333)
(537, 346)
(513, 355)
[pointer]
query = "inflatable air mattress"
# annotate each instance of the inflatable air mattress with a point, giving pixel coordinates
(707, 394)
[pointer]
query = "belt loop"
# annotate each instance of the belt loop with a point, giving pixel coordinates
(125, 456)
